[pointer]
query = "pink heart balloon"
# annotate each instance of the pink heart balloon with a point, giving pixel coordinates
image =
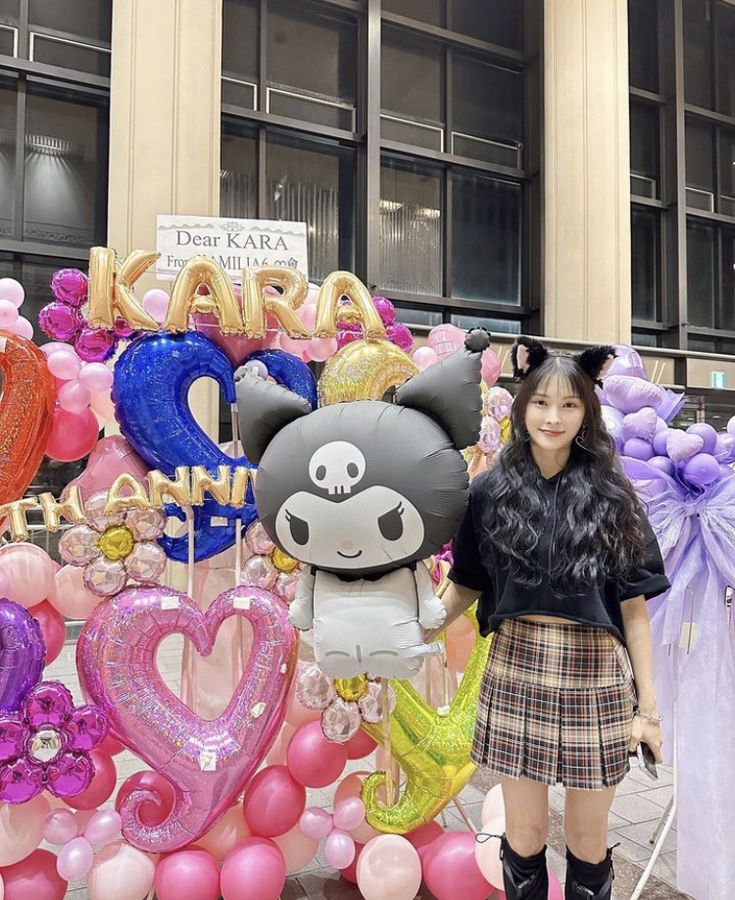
(208, 763)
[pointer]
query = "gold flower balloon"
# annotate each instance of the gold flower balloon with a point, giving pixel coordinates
(432, 749)
(364, 370)
(282, 561)
(351, 688)
(117, 542)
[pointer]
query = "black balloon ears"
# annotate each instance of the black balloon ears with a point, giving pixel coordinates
(526, 354)
(264, 409)
(596, 361)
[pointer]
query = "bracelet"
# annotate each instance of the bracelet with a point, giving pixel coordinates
(654, 720)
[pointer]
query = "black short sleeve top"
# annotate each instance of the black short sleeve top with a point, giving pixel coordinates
(479, 565)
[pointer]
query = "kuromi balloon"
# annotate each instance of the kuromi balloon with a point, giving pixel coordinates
(362, 492)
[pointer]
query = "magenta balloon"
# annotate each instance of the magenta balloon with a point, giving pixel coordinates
(312, 759)
(386, 310)
(273, 802)
(339, 849)
(663, 464)
(208, 762)
(189, 875)
(638, 449)
(707, 433)
(254, 870)
(70, 286)
(702, 469)
(450, 869)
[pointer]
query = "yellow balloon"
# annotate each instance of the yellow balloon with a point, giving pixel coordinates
(506, 430)
(282, 561)
(364, 370)
(359, 306)
(432, 749)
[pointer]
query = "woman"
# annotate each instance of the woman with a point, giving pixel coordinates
(563, 559)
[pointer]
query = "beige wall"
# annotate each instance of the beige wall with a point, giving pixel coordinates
(586, 171)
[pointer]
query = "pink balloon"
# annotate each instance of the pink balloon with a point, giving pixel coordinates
(450, 868)
(494, 804)
(350, 786)
(71, 598)
(350, 872)
(73, 435)
(236, 346)
(256, 870)
(8, 314)
(421, 838)
(226, 834)
(52, 629)
(445, 339)
(349, 814)
(158, 808)
(339, 849)
(111, 457)
(100, 788)
(307, 315)
(487, 852)
(364, 833)
(75, 859)
(73, 397)
(120, 872)
(96, 377)
(102, 406)
(209, 769)
(424, 357)
(321, 349)
(293, 346)
(23, 328)
(155, 303)
(389, 867)
(21, 829)
(298, 850)
(60, 826)
(312, 759)
(103, 827)
(316, 823)
(360, 746)
(12, 290)
(64, 364)
(30, 571)
(273, 802)
(187, 875)
(34, 877)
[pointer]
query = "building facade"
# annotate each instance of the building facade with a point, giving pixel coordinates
(560, 167)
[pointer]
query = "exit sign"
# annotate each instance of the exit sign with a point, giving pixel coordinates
(719, 380)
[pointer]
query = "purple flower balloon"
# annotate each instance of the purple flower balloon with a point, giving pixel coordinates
(70, 286)
(22, 654)
(60, 322)
(401, 336)
(386, 310)
(95, 344)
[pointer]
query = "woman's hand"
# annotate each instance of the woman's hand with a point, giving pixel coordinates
(648, 732)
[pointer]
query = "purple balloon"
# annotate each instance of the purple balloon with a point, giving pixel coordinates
(638, 449)
(663, 464)
(208, 762)
(659, 441)
(613, 420)
(60, 322)
(707, 433)
(681, 446)
(670, 405)
(731, 425)
(22, 654)
(629, 394)
(627, 362)
(70, 286)
(386, 310)
(725, 447)
(641, 424)
(702, 469)
(95, 344)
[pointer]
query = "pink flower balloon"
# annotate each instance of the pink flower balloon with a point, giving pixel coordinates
(207, 762)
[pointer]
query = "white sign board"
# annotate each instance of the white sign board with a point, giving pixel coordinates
(235, 244)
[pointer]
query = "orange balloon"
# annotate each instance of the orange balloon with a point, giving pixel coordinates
(26, 410)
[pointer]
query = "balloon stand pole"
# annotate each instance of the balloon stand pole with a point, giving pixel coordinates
(443, 710)
(427, 673)
(463, 812)
(190, 554)
(389, 783)
(237, 451)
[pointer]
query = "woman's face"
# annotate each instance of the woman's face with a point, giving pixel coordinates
(554, 415)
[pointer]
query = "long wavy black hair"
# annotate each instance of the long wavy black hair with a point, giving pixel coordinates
(598, 528)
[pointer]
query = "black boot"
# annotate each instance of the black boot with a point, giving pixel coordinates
(589, 881)
(524, 877)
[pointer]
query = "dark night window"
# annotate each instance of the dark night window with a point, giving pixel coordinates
(700, 274)
(700, 166)
(643, 44)
(412, 91)
(495, 21)
(645, 265)
(644, 150)
(697, 53)
(238, 176)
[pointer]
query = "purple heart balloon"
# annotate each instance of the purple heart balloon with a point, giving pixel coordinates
(641, 424)
(22, 654)
(680, 446)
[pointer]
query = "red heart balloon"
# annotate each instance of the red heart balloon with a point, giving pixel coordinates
(26, 413)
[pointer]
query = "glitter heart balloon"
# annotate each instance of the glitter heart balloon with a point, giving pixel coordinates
(22, 654)
(208, 763)
(26, 413)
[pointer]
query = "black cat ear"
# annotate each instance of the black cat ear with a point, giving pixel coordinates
(264, 409)
(596, 361)
(526, 354)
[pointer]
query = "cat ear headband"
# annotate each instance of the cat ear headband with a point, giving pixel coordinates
(527, 354)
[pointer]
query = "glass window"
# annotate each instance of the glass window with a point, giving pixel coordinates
(314, 183)
(496, 21)
(240, 32)
(414, 315)
(430, 11)
(700, 175)
(36, 279)
(502, 326)
(697, 53)
(311, 55)
(725, 34)
(9, 10)
(487, 104)
(7, 159)
(645, 263)
(644, 149)
(238, 176)
(701, 274)
(413, 78)
(410, 228)
(727, 305)
(727, 173)
(486, 239)
(645, 339)
(82, 18)
(701, 344)
(643, 44)
(70, 55)
(65, 171)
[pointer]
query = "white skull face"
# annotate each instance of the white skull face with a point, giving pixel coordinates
(337, 467)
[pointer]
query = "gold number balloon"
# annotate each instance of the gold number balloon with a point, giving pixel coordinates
(364, 370)
(433, 750)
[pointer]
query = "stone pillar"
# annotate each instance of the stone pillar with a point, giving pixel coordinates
(587, 290)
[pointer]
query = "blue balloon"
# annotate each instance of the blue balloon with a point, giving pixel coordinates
(150, 391)
(288, 371)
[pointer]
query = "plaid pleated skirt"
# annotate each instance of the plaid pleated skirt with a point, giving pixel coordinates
(556, 705)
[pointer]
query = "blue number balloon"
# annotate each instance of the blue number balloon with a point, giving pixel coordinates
(289, 371)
